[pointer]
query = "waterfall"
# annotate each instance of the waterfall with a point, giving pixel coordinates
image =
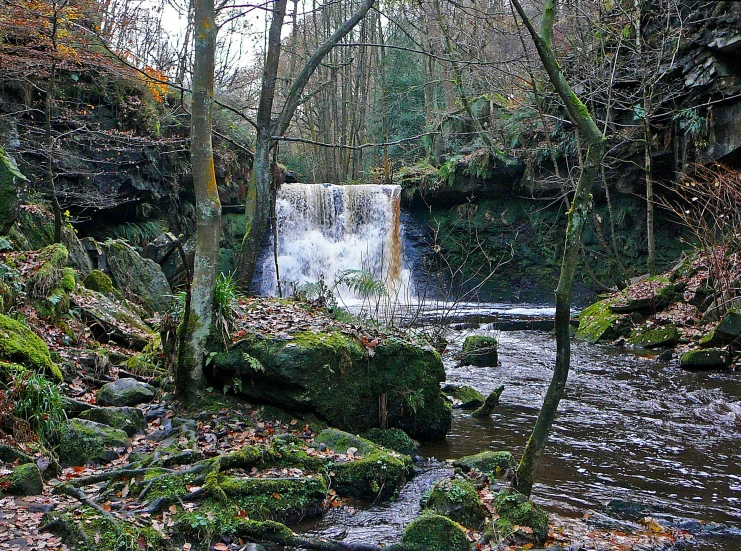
(324, 229)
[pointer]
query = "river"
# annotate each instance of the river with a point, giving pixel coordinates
(629, 428)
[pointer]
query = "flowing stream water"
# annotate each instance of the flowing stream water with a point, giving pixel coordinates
(652, 439)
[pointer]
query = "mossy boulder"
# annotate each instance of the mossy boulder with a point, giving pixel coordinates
(340, 442)
(653, 337)
(138, 278)
(9, 454)
(598, 322)
(51, 259)
(100, 282)
(111, 320)
(710, 358)
(480, 350)
(516, 511)
(458, 500)
(12, 190)
(82, 442)
(727, 331)
(128, 419)
(33, 229)
(464, 397)
(331, 375)
(434, 532)
(651, 294)
(8, 371)
(393, 439)
(18, 344)
(25, 480)
(125, 392)
(492, 463)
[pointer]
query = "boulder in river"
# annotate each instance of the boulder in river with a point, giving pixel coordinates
(492, 463)
(710, 358)
(727, 331)
(480, 350)
(464, 397)
(598, 322)
(517, 511)
(431, 531)
(458, 500)
(654, 336)
(332, 375)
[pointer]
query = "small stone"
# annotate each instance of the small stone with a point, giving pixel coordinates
(125, 392)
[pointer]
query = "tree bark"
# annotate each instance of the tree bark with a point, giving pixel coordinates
(259, 198)
(189, 374)
(577, 215)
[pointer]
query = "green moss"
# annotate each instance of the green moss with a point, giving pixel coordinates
(8, 370)
(598, 322)
(480, 350)
(67, 282)
(470, 398)
(379, 475)
(340, 441)
(128, 419)
(712, 358)
(393, 439)
(458, 500)
(52, 259)
(82, 442)
(21, 345)
(99, 281)
(515, 510)
(493, 463)
(25, 480)
(665, 335)
(11, 189)
(436, 532)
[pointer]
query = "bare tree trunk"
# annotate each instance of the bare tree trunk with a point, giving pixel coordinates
(581, 205)
(195, 329)
(49, 139)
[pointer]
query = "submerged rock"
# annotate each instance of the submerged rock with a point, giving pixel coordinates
(480, 350)
(711, 358)
(125, 392)
(437, 532)
(467, 397)
(331, 375)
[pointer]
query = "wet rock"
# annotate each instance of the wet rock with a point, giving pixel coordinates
(480, 350)
(464, 397)
(12, 190)
(331, 375)
(492, 463)
(138, 278)
(341, 441)
(111, 320)
(393, 439)
(710, 358)
(665, 356)
(458, 500)
(128, 419)
(515, 511)
(727, 331)
(647, 294)
(25, 480)
(20, 345)
(125, 392)
(82, 442)
(599, 322)
(491, 402)
(653, 337)
(437, 532)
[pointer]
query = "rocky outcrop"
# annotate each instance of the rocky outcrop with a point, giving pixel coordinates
(20, 345)
(332, 375)
(12, 184)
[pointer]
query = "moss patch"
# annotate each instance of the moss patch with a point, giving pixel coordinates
(25, 480)
(379, 475)
(82, 442)
(493, 463)
(480, 350)
(436, 532)
(393, 439)
(458, 500)
(515, 511)
(711, 358)
(18, 344)
(599, 323)
(652, 337)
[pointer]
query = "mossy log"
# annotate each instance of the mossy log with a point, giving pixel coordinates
(492, 401)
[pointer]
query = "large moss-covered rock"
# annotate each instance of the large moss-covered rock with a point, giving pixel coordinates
(12, 189)
(727, 331)
(378, 474)
(138, 278)
(82, 442)
(648, 294)
(464, 397)
(458, 500)
(492, 463)
(516, 511)
(711, 358)
(125, 392)
(331, 375)
(25, 480)
(111, 319)
(393, 439)
(654, 336)
(128, 419)
(434, 532)
(598, 322)
(20, 345)
(480, 350)
(100, 282)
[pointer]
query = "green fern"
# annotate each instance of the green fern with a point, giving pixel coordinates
(362, 283)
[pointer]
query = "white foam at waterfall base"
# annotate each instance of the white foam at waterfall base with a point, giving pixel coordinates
(325, 229)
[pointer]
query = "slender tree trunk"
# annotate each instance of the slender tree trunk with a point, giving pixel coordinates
(189, 376)
(49, 139)
(577, 215)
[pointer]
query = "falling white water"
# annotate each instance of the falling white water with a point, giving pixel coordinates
(324, 229)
